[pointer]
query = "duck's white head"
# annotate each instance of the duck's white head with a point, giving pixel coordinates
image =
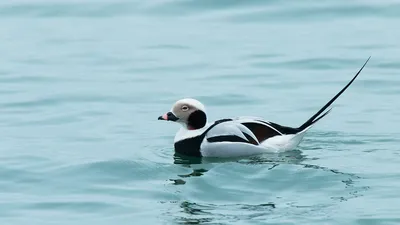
(189, 112)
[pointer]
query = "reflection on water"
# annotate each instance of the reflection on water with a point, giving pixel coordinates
(186, 160)
(204, 164)
(205, 213)
(196, 173)
(291, 157)
(295, 157)
(197, 212)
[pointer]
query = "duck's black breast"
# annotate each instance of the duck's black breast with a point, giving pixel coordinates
(190, 146)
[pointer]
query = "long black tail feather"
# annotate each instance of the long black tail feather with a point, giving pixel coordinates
(314, 118)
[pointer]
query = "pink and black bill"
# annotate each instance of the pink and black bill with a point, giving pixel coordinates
(168, 116)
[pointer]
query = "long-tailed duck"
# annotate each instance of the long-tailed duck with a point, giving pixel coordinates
(235, 137)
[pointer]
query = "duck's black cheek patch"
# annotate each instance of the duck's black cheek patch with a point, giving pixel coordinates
(197, 119)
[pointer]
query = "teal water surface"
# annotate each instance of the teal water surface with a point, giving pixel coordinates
(83, 82)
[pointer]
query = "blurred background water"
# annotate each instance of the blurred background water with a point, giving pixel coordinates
(83, 82)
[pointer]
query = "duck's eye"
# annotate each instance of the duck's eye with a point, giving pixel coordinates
(185, 108)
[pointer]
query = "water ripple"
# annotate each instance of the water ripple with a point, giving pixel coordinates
(308, 64)
(64, 9)
(317, 13)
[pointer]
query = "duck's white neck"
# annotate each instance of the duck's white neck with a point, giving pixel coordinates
(184, 133)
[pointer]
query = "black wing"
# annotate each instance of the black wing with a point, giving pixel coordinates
(221, 131)
(264, 130)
